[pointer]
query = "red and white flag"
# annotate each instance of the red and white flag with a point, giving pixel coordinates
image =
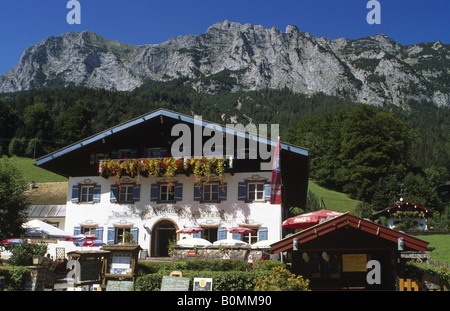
(275, 184)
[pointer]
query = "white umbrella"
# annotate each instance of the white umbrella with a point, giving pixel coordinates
(191, 242)
(230, 242)
(263, 244)
(39, 228)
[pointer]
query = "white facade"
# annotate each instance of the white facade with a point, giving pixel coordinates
(143, 217)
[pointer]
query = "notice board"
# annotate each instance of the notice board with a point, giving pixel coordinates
(117, 285)
(202, 284)
(354, 262)
(174, 283)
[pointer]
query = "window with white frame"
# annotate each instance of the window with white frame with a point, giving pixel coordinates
(255, 191)
(86, 193)
(121, 234)
(165, 193)
(126, 193)
(88, 230)
(211, 192)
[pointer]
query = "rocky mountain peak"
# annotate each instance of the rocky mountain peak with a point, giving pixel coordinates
(236, 56)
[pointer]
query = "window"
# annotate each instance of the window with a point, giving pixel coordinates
(159, 192)
(87, 193)
(126, 193)
(211, 192)
(255, 191)
(166, 194)
(210, 234)
(88, 230)
(250, 238)
(121, 234)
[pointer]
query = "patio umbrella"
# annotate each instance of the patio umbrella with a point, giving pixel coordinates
(92, 243)
(190, 230)
(241, 230)
(38, 228)
(307, 220)
(263, 244)
(11, 241)
(191, 242)
(230, 242)
(80, 237)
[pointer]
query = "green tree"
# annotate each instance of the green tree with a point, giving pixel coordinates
(13, 202)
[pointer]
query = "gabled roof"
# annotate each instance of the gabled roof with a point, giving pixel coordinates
(154, 115)
(348, 220)
(403, 205)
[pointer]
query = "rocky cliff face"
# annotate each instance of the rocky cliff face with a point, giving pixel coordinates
(233, 56)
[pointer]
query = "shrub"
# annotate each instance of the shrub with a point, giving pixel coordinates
(22, 254)
(280, 279)
(16, 278)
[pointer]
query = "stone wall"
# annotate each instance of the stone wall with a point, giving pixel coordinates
(214, 252)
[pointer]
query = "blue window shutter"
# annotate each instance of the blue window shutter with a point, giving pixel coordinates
(115, 154)
(136, 192)
(97, 191)
(236, 236)
(135, 233)
(242, 191)
(114, 193)
(99, 233)
(154, 191)
(197, 235)
(75, 193)
(76, 230)
(197, 192)
(221, 233)
(178, 192)
(223, 192)
(267, 190)
(111, 235)
(262, 234)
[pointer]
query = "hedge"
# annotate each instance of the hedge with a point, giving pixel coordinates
(222, 280)
(16, 277)
(227, 275)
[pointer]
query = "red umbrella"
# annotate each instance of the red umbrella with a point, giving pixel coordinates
(80, 237)
(309, 219)
(190, 230)
(241, 230)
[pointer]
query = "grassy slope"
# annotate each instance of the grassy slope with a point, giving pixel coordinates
(31, 172)
(441, 242)
(334, 201)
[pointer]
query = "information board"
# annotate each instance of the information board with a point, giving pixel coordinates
(120, 264)
(202, 284)
(354, 262)
(173, 283)
(116, 285)
(89, 270)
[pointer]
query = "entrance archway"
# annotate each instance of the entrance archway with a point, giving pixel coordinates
(162, 232)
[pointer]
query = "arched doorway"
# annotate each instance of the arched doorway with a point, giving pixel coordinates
(162, 232)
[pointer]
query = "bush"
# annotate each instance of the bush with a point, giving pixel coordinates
(22, 254)
(16, 278)
(280, 279)
(222, 280)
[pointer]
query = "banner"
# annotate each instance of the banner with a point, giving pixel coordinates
(275, 185)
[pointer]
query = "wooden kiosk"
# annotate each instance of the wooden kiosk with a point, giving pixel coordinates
(89, 267)
(120, 266)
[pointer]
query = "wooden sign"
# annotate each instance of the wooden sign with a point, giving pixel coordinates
(354, 262)
(173, 283)
(202, 284)
(116, 285)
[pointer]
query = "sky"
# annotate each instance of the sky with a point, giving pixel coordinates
(27, 22)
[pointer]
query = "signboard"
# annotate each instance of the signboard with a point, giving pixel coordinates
(120, 264)
(88, 270)
(116, 285)
(173, 283)
(202, 284)
(354, 262)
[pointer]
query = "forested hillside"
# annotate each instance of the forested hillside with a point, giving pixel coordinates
(365, 151)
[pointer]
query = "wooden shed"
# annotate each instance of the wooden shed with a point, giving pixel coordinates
(335, 254)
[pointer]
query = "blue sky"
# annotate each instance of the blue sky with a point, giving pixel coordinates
(25, 22)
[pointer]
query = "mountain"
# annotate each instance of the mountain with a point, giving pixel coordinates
(233, 56)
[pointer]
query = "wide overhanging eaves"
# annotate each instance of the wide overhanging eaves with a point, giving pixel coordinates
(170, 114)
